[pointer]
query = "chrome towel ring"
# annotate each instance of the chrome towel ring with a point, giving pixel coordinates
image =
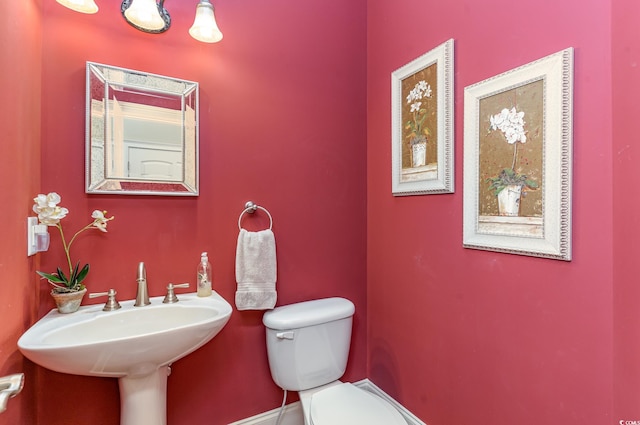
(250, 208)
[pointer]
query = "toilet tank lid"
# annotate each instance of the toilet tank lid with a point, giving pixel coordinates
(308, 313)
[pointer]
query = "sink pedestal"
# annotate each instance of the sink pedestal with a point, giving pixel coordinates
(143, 400)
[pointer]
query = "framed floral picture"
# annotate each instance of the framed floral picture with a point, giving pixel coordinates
(517, 160)
(422, 124)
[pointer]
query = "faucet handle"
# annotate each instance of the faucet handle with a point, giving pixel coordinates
(171, 296)
(112, 304)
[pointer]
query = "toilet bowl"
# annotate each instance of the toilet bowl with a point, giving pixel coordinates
(308, 345)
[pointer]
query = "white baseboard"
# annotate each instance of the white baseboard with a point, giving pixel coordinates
(293, 412)
(292, 415)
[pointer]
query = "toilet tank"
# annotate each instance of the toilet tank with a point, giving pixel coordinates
(308, 342)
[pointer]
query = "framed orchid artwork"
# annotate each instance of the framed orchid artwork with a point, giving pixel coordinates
(422, 124)
(517, 160)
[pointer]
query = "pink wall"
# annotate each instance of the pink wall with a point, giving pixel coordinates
(19, 177)
(467, 336)
(626, 86)
(480, 337)
(282, 123)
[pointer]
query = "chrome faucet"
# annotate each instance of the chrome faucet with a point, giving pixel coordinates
(142, 298)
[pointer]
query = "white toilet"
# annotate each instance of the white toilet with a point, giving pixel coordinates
(308, 345)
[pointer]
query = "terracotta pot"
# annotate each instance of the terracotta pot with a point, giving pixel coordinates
(68, 302)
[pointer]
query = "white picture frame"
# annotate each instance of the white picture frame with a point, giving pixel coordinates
(422, 120)
(518, 132)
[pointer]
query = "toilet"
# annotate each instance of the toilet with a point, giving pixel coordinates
(308, 345)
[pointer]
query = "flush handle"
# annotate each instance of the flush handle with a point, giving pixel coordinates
(285, 335)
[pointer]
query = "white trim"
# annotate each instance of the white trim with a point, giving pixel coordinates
(293, 411)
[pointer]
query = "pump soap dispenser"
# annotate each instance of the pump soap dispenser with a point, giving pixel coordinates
(204, 276)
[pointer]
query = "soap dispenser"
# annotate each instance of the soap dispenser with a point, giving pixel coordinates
(204, 276)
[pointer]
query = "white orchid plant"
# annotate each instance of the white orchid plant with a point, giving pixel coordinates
(50, 214)
(417, 131)
(511, 123)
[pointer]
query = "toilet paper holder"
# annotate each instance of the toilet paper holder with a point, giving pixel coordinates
(10, 386)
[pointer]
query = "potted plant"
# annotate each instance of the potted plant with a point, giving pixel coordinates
(417, 131)
(68, 289)
(509, 184)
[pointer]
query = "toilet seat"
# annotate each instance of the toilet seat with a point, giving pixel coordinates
(346, 404)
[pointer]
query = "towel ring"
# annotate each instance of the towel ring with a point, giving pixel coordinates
(250, 208)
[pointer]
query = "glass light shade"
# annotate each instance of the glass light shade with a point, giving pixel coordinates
(82, 6)
(145, 14)
(204, 26)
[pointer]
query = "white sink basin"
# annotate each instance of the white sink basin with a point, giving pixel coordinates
(134, 344)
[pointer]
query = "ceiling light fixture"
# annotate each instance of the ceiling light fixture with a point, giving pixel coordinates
(146, 15)
(150, 16)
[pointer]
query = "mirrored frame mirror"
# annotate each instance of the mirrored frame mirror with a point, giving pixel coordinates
(142, 133)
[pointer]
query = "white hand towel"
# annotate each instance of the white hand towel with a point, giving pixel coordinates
(256, 270)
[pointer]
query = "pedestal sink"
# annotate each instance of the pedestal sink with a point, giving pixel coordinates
(134, 344)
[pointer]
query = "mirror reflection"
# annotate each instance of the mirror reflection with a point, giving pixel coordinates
(142, 133)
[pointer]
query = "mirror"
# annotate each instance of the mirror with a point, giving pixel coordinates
(141, 133)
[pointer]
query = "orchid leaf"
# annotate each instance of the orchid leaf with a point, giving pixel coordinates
(83, 273)
(51, 277)
(62, 276)
(74, 275)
